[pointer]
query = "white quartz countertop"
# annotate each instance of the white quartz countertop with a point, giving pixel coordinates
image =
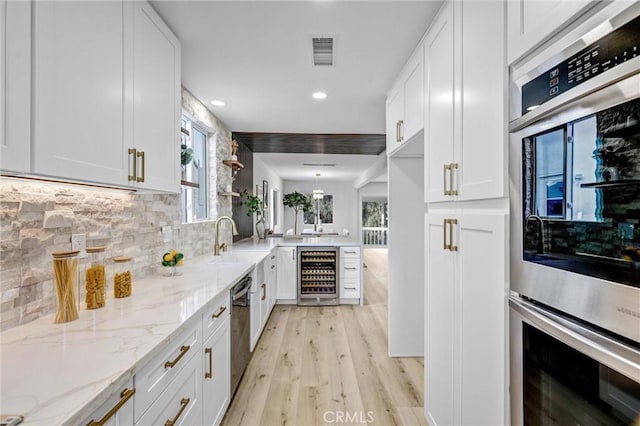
(254, 244)
(59, 373)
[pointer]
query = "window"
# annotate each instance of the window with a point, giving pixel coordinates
(324, 206)
(194, 173)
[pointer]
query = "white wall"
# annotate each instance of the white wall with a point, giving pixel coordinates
(345, 204)
(263, 172)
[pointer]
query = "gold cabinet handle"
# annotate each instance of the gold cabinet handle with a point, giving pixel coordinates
(397, 131)
(132, 177)
(183, 404)
(140, 154)
(444, 178)
(125, 395)
(264, 291)
(452, 167)
(401, 131)
(452, 222)
(273, 266)
(222, 309)
(445, 222)
(209, 351)
(183, 350)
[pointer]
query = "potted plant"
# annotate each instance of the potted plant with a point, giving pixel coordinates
(298, 202)
(186, 155)
(254, 204)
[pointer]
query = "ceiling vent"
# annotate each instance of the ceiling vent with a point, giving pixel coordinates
(322, 51)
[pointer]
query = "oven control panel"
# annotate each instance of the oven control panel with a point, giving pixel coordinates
(608, 52)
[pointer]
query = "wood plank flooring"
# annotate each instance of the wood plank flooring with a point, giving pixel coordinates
(330, 365)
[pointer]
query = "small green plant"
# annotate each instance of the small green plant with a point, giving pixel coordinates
(298, 202)
(253, 204)
(186, 154)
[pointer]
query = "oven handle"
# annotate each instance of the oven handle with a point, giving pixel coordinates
(615, 355)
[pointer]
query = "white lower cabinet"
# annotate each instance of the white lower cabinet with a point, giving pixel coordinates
(350, 275)
(255, 303)
(466, 318)
(181, 401)
(287, 274)
(115, 411)
(273, 278)
(216, 374)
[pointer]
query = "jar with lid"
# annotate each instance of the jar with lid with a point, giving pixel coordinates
(122, 277)
(65, 275)
(95, 278)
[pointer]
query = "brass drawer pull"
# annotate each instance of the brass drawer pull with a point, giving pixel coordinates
(222, 309)
(445, 222)
(132, 177)
(183, 350)
(183, 404)
(401, 132)
(125, 395)
(452, 167)
(451, 223)
(264, 291)
(273, 266)
(351, 268)
(141, 155)
(209, 351)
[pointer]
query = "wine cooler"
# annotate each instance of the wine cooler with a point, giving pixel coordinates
(318, 276)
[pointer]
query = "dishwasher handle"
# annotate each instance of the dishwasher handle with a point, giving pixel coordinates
(241, 289)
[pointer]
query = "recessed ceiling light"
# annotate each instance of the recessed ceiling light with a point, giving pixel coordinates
(319, 95)
(217, 102)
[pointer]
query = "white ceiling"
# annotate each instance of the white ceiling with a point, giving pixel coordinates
(257, 57)
(290, 166)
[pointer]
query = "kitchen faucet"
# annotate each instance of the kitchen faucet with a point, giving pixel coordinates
(540, 243)
(216, 247)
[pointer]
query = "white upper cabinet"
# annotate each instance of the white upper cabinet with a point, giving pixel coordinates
(530, 22)
(405, 104)
(156, 100)
(465, 138)
(15, 82)
(77, 91)
(439, 102)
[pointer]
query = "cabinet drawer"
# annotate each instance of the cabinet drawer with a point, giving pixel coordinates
(214, 316)
(350, 267)
(117, 410)
(350, 288)
(350, 252)
(155, 376)
(181, 401)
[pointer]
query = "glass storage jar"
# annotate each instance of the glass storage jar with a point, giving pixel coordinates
(95, 278)
(65, 275)
(122, 277)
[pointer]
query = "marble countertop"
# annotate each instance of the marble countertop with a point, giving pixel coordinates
(60, 373)
(251, 244)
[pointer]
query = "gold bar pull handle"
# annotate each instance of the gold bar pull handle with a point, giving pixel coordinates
(397, 131)
(183, 404)
(452, 167)
(183, 350)
(222, 309)
(125, 395)
(209, 374)
(264, 291)
(445, 222)
(444, 178)
(140, 154)
(452, 222)
(132, 177)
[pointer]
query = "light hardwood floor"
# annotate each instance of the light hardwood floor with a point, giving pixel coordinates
(329, 365)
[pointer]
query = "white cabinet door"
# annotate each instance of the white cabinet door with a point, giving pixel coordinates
(156, 100)
(440, 325)
(466, 319)
(287, 274)
(439, 103)
(530, 22)
(273, 278)
(413, 88)
(216, 368)
(77, 94)
(265, 290)
(255, 303)
(482, 153)
(15, 86)
(122, 401)
(395, 105)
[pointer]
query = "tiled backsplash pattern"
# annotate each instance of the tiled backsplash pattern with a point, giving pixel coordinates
(37, 218)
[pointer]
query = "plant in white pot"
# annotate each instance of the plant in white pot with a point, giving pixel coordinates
(255, 206)
(298, 202)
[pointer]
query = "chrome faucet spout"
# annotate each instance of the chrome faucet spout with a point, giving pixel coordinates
(216, 247)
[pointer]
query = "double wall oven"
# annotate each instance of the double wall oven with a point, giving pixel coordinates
(575, 225)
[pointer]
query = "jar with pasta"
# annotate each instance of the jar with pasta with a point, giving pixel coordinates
(122, 277)
(95, 278)
(65, 276)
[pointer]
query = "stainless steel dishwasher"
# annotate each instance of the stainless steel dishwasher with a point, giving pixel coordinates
(240, 330)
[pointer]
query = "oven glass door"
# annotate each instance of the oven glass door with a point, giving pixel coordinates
(562, 386)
